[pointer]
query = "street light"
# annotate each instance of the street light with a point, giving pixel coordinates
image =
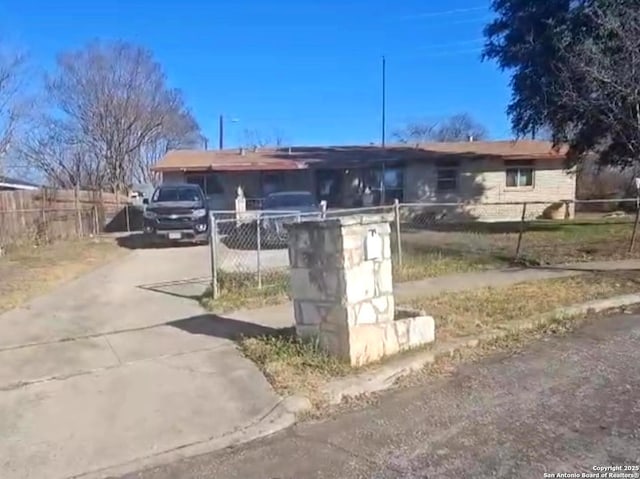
(221, 130)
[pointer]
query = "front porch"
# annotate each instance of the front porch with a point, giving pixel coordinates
(339, 187)
(361, 186)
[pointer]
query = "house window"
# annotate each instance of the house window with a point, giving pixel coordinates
(209, 183)
(520, 175)
(447, 174)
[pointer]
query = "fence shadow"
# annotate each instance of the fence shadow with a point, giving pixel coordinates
(127, 218)
(180, 289)
(227, 328)
(142, 241)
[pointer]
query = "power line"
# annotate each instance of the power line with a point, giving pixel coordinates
(450, 44)
(450, 53)
(442, 13)
(485, 18)
(455, 52)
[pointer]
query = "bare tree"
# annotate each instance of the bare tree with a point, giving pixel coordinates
(460, 127)
(117, 113)
(280, 139)
(59, 159)
(15, 106)
(254, 138)
(180, 132)
(415, 133)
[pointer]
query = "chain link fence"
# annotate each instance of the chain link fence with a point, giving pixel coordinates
(249, 250)
(525, 233)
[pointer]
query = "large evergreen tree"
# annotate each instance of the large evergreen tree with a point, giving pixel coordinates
(575, 68)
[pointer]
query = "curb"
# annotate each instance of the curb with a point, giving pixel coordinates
(385, 376)
(281, 416)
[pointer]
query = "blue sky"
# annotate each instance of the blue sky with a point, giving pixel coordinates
(308, 68)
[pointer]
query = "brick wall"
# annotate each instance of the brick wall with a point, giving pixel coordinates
(484, 181)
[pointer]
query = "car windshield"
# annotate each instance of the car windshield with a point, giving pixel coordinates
(292, 200)
(184, 193)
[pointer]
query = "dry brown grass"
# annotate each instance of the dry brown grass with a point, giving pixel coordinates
(300, 367)
(238, 291)
(292, 365)
(29, 271)
(543, 242)
(473, 312)
(418, 265)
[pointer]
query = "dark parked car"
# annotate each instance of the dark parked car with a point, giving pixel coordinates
(285, 207)
(177, 213)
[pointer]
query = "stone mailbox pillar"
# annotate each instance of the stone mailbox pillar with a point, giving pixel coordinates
(240, 205)
(342, 289)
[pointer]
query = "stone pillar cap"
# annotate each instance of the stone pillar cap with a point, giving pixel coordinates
(338, 222)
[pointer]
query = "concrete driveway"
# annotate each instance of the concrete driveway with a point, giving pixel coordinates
(120, 365)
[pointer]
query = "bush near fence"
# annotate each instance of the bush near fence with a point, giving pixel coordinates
(428, 240)
(53, 214)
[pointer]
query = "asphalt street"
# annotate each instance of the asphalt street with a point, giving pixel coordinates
(567, 404)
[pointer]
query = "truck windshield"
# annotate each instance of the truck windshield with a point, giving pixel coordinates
(185, 193)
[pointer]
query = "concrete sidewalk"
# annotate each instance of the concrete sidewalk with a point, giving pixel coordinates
(281, 316)
(106, 371)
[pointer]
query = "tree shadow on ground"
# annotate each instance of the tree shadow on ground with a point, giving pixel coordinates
(227, 328)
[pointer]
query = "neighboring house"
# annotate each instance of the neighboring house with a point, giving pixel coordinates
(12, 184)
(139, 191)
(474, 173)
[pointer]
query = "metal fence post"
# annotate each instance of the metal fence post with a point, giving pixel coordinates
(396, 214)
(96, 227)
(126, 215)
(632, 243)
(522, 224)
(258, 249)
(213, 245)
(323, 209)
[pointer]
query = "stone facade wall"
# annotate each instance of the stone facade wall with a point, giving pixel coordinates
(484, 181)
(343, 297)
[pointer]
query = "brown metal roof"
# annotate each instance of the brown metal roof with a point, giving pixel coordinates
(344, 156)
(227, 160)
(521, 149)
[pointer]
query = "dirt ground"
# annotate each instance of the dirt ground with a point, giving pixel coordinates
(29, 271)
